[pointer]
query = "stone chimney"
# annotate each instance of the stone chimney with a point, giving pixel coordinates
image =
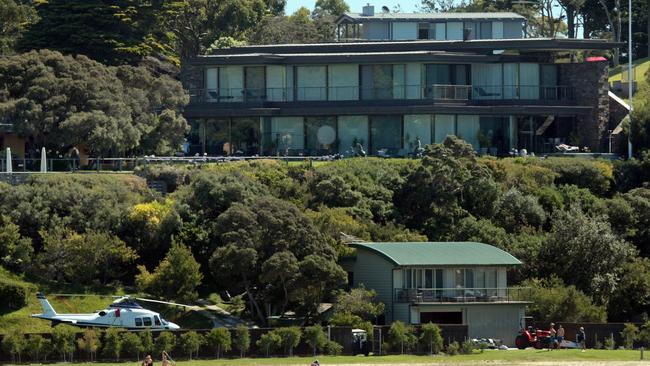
(368, 10)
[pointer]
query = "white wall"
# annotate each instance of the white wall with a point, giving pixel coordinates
(405, 31)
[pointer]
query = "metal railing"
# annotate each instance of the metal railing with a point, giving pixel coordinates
(456, 295)
(393, 92)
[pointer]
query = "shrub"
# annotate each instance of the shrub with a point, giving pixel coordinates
(401, 336)
(609, 342)
(629, 334)
(333, 349)
(219, 339)
(467, 347)
(12, 295)
(595, 175)
(14, 343)
(147, 341)
(191, 342)
(453, 348)
(89, 343)
(132, 344)
(431, 337)
(63, 341)
(290, 338)
(165, 342)
(112, 344)
(315, 337)
(242, 340)
(269, 342)
(38, 347)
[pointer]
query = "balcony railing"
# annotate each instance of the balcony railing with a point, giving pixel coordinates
(395, 92)
(461, 295)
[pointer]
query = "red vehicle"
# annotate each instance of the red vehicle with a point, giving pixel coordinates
(534, 338)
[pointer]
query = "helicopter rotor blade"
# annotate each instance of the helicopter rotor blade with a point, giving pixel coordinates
(80, 295)
(166, 303)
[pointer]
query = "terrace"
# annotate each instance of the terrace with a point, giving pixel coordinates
(462, 295)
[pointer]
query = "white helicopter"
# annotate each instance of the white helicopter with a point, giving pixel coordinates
(123, 313)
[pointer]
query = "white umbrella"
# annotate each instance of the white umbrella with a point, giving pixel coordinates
(9, 170)
(43, 161)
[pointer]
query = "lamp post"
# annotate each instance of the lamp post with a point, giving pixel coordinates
(629, 76)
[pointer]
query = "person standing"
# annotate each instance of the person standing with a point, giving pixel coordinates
(559, 336)
(581, 338)
(551, 336)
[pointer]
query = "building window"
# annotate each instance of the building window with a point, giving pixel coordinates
(495, 131)
(417, 131)
(423, 31)
(352, 134)
(320, 135)
(386, 135)
(441, 81)
(376, 82)
(287, 136)
(486, 30)
(311, 83)
(245, 136)
(440, 31)
(254, 83)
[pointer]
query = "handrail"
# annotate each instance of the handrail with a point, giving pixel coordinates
(462, 294)
(476, 91)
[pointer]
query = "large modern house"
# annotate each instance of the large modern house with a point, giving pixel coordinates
(397, 81)
(444, 283)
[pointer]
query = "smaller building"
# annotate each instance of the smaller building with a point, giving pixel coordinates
(443, 283)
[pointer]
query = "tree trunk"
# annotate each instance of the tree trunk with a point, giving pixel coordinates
(648, 24)
(570, 19)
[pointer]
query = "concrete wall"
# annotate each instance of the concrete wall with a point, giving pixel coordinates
(590, 83)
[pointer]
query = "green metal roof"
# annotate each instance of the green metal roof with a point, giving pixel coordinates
(440, 253)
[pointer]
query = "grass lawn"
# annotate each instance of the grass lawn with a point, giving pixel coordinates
(490, 356)
(641, 66)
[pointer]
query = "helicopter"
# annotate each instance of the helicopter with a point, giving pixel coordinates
(124, 313)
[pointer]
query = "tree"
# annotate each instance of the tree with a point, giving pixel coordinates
(315, 337)
(289, 338)
(516, 211)
(321, 276)
(219, 339)
(329, 7)
(132, 344)
(176, 277)
(432, 337)
(14, 343)
(105, 256)
(269, 341)
(190, 342)
(360, 302)
(113, 111)
(147, 341)
(350, 320)
(63, 341)
(112, 344)
(629, 334)
(89, 343)
(165, 342)
(242, 340)
(15, 17)
(553, 301)
(401, 335)
(38, 347)
(592, 256)
(632, 295)
(15, 250)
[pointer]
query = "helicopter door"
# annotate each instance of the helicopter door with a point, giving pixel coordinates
(156, 320)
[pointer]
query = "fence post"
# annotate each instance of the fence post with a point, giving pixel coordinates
(642, 353)
(380, 341)
(98, 164)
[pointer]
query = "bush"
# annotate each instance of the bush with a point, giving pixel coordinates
(453, 348)
(595, 175)
(315, 337)
(63, 341)
(13, 295)
(431, 337)
(467, 347)
(610, 343)
(401, 336)
(38, 347)
(290, 338)
(190, 343)
(629, 334)
(14, 343)
(269, 342)
(219, 340)
(89, 343)
(242, 340)
(132, 344)
(165, 342)
(333, 349)
(112, 344)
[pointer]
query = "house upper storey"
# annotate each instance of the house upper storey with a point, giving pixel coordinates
(380, 26)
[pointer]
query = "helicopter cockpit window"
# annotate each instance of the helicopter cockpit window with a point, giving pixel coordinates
(165, 322)
(138, 322)
(156, 320)
(147, 321)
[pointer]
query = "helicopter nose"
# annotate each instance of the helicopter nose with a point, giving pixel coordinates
(173, 326)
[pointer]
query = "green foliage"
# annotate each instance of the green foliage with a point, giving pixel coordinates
(290, 338)
(242, 340)
(516, 211)
(14, 343)
(104, 257)
(630, 174)
(190, 343)
(15, 17)
(89, 343)
(315, 337)
(632, 295)
(467, 347)
(13, 295)
(360, 302)
(609, 343)
(592, 256)
(351, 320)
(523, 174)
(332, 348)
(595, 175)
(63, 341)
(176, 277)
(453, 348)
(115, 109)
(629, 334)
(401, 336)
(552, 300)
(15, 251)
(431, 337)
(132, 344)
(269, 342)
(38, 347)
(219, 340)
(165, 342)
(147, 341)
(112, 344)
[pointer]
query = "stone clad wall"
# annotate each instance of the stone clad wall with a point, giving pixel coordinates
(590, 83)
(192, 76)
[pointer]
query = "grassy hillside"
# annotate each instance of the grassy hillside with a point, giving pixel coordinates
(641, 66)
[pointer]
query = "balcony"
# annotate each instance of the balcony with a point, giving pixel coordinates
(433, 93)
(462, 295)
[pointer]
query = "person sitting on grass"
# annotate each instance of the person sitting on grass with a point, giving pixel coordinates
(148, 361)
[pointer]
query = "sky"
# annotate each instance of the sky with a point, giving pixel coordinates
(356, 5)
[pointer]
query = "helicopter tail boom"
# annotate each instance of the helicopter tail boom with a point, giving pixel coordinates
(48, 310)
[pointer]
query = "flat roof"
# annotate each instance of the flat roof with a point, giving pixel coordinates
(381, 16)
(440, 253)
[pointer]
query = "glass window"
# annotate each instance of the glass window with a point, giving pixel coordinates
(480, 278)
(343, 82)
(439, 282)
(529, 79)
(486, 30)
(440, 31)
(245, 136)
(320, 134)
(428, 278)
(138, 322)
(254, 83)
(288, 135)
(471, 26)
(496, 132)
(215, 133)
(386, 135)
(376, 82)
(147, 321)
(311, 83)
(487, 81)
(211, 84)
(423, 30)
(418, 278)
(438, 76)
(468, 127)
(417, 131)
(497, 30)
(548, 82)
(352, 130)
(444, 126)
(455, 30)
(459, 278)
(156, 320)
(469, 278)
(231, 84)
(407, 277)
